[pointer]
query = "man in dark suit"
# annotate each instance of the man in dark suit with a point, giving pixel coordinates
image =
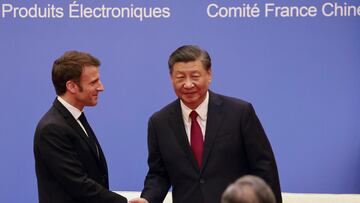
(203, 141)
(70, 165)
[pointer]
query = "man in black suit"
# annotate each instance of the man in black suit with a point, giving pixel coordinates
(70, 165)
(200, 153)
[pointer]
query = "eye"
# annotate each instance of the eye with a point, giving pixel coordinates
(92, 83)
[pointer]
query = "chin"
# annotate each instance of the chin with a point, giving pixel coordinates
(93, 104)
(192, 100)
(189, 103)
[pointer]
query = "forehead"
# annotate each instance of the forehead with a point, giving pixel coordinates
(90, 72)
(188, 66)
(90, 69)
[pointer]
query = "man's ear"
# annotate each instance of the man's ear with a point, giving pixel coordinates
(71, 86)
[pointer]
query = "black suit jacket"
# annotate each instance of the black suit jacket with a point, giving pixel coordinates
(235, 145)
(67, 167)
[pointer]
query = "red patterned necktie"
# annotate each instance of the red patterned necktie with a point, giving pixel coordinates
(196, 138)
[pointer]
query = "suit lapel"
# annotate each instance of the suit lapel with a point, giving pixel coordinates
(75, 125)
(177, 125)
(213, 123)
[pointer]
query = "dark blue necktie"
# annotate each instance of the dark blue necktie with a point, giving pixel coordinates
(90, 132)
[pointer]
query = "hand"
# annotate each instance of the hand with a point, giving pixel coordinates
(138, 200)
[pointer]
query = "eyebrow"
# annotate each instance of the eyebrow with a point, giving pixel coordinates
(95, 80)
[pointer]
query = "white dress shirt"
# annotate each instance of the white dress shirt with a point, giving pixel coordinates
(76, 113)
(201, 110)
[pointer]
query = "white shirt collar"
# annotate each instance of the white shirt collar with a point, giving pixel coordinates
(73, 110)
(202, 109)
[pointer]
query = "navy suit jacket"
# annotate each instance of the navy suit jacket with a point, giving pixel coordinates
(67, 167)
(235, 145)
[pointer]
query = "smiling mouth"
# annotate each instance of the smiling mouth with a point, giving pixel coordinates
(189, 92)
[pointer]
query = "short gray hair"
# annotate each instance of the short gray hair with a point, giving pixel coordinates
(248, 189)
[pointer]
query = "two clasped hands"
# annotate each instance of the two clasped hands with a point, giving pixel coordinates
(138, 200)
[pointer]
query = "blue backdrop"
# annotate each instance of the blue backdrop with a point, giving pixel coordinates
(299, 68)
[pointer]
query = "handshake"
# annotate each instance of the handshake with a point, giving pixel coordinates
(138, 200)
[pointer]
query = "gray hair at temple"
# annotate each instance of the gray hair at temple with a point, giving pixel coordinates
(248, 189)
(188, 53)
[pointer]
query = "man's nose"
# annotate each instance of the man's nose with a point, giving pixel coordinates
(100, 87)
(188, 84)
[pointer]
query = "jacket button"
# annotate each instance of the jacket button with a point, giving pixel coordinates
(202, 181)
